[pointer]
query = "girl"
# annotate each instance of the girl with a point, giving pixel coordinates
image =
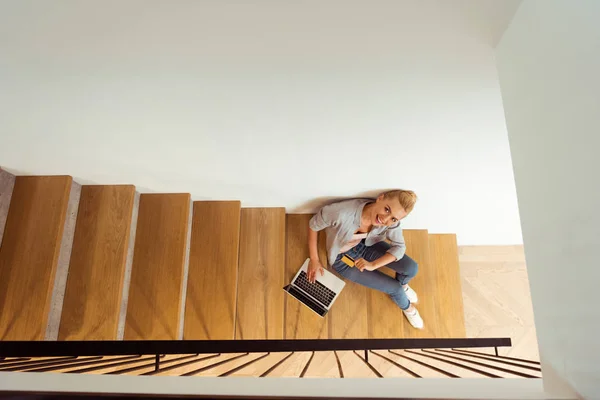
(358, 228)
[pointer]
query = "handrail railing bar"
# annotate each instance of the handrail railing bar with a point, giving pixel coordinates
(491, 358)
(502, 357)
(433, 367)
(207, 367)
(307, 364)
(267, 372)
(402, 367)
(172, 367)
(143, 347)
(508, 371)
(371, 367)
(484, 373)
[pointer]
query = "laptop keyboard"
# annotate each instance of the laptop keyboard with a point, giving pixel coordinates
(316, 290)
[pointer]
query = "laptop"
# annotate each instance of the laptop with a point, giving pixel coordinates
(318, 296)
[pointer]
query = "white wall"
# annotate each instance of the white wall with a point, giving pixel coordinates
(274, 103)
(549, 63)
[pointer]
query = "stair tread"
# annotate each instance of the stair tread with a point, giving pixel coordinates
(301, 322)
(157, 272)
(29, 254)
(385, 317)
(444, 261)
(7, 182)
(212, 277)
(261, 269)
(95, 282)
(417, 247)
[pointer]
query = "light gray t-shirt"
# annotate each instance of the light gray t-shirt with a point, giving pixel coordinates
(341, 220)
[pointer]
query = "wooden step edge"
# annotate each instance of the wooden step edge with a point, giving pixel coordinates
(128, 267)
(62, 268)
(186, 271)
(7, 184)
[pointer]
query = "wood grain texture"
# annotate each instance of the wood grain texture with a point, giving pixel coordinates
(386, 368)
(95, 282)
(157, 271)
(444, 261)
(348, 316)
(425, 284)
(300, 322)
(212, 278)
(292, 367)
(224, 368)
(259, 367)
(323, 365)
(29, 254)
(201, 361)
(353, 366)
(497, 299)
(261, 268)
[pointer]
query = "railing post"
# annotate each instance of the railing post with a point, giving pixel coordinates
(157, 363)
(496, 349)
(367, 355)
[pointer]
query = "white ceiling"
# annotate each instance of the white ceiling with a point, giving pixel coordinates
(487, 19)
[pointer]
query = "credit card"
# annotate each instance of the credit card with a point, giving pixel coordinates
(349, 261)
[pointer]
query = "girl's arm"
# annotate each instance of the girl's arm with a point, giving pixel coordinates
(396, 251)
(314, 265)
(384, 260)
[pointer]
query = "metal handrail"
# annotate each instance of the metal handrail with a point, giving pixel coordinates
(143, 347)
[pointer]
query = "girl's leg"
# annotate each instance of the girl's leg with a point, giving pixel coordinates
(406, 268)
(375, 280)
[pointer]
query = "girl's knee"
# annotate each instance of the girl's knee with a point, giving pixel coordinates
(411, 267)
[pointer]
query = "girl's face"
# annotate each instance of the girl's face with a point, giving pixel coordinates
(386, 212)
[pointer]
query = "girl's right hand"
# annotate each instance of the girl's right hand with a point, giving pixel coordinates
(314, 266)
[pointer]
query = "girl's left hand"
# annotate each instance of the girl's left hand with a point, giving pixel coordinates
(364, 265)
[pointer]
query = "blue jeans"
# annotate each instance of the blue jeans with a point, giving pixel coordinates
(406, 268)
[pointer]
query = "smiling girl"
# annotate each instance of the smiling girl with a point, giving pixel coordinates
(358, 229)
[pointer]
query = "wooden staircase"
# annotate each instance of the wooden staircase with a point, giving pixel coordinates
(198, 270)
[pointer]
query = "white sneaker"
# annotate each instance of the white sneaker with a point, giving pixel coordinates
(411, 294)
(414, 318)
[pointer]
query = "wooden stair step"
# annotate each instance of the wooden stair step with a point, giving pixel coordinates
(292, 367)
(353, 366)
(386, 319)
(300, 322)
(386, 367)
(417, 364)
(158, 264)
(95, 282)
(323, 365)
(213, 269)
(191, 365)
(261, 366)
(444, 262)
(29, 254)
(234, 364)
(425, 284)
(7, 183)
(260, 278)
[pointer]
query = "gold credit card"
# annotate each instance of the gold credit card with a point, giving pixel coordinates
(349, 261)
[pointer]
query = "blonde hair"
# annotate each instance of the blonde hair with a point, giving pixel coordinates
(406, 198)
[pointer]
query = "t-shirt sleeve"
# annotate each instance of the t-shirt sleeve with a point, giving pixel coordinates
(324, 218)
(398, 247)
